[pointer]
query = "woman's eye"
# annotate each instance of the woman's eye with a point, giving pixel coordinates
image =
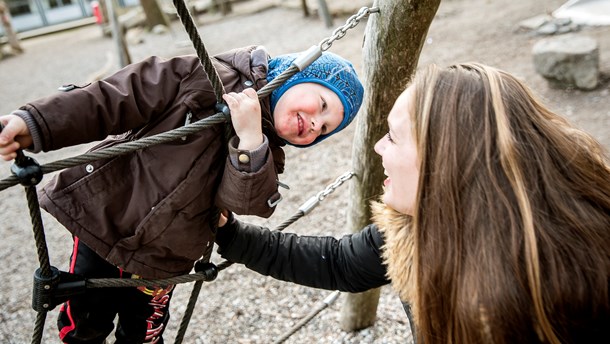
(389, 137)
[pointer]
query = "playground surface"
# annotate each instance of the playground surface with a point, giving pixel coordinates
(241, 306)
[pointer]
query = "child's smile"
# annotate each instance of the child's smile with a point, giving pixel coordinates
(306, 111)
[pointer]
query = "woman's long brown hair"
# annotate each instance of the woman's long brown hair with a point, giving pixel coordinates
(512, 227)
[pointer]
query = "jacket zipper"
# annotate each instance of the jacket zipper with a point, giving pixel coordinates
(189, 117)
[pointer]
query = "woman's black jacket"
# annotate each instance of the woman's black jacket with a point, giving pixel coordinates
(352, 263)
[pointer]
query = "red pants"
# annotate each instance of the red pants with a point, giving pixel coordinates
(89, 318)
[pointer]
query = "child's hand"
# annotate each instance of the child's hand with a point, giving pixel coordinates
(246, 118)
(14, 135)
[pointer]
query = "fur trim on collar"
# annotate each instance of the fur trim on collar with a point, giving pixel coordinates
(398, 251)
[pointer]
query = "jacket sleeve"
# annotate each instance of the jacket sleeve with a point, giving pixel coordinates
(130, 98)
(352, 263)
(249, 182)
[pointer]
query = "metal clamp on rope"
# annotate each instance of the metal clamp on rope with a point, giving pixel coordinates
(309, 205)
(27, 170)
(55, 289)
(209, 270)
(224, 109)
(307, 57)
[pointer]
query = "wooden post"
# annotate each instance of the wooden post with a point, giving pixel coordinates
(325, 13)
(118, 35)
(394, 39)
(305, 8)
(154, 14)
(11, 36)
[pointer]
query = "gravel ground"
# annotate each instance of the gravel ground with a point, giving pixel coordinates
(241, 306)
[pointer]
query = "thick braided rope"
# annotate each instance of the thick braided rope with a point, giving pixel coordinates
(123, 148)
(210, 70)
(188, 312)
(208, 67)
(167, 136)
(39, 236)
(39, 327)
(277, 81)
(43, 254)
(204, 57)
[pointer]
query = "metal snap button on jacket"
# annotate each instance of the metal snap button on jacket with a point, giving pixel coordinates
(244, 159)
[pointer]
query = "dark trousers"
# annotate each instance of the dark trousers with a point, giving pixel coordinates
(89, 318)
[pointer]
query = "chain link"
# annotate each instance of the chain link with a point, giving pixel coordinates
(331, 188)
(350, 23)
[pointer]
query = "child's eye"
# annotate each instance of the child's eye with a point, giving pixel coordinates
(324, 106)
(323, 131)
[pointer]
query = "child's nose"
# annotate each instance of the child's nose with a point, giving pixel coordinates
(313, 125)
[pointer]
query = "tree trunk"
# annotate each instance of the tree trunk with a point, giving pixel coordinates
(154, 14)
(5, 17)
(394, 39)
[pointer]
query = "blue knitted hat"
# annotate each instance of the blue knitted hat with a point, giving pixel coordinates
(329, 70)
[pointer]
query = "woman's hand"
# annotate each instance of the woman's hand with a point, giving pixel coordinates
(14, 135)
(223, 218)
(246, 118)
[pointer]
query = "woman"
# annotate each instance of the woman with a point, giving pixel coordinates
(495, 222)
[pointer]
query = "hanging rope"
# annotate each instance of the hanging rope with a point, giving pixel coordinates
(27, 172)
(204, 58)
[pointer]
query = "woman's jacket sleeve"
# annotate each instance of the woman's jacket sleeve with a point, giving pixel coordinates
(352, 263)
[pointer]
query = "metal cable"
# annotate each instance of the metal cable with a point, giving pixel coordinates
(290, 220)
(186, 317)
(320, 307)
(39, 327)
(137, 282)
(37, 227)
(204, 57)
(123, 148)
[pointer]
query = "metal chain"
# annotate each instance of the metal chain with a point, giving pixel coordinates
(331, 188)
(350, 23)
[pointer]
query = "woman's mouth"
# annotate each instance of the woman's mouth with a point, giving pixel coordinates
(386, 181)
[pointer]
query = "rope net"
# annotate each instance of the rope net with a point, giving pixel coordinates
(27, 172)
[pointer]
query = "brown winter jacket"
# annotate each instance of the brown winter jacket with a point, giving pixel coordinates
(150, 212)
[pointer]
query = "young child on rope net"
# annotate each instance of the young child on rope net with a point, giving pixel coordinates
(494, 226)
(150, 213)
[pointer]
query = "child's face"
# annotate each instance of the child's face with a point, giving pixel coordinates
(306, 111)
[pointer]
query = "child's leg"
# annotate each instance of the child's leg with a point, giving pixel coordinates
(88, 318)
(143, 315)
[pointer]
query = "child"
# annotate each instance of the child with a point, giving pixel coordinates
(149, 213)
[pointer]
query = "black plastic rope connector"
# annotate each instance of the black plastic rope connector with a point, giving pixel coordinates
(224, 109)
(50, 291)
(209, 270)
(27, 170)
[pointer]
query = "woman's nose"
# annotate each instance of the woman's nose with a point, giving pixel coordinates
(378, 147)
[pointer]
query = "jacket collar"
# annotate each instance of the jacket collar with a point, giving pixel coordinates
(398, 251)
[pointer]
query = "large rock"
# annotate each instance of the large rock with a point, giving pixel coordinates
(570, 60)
